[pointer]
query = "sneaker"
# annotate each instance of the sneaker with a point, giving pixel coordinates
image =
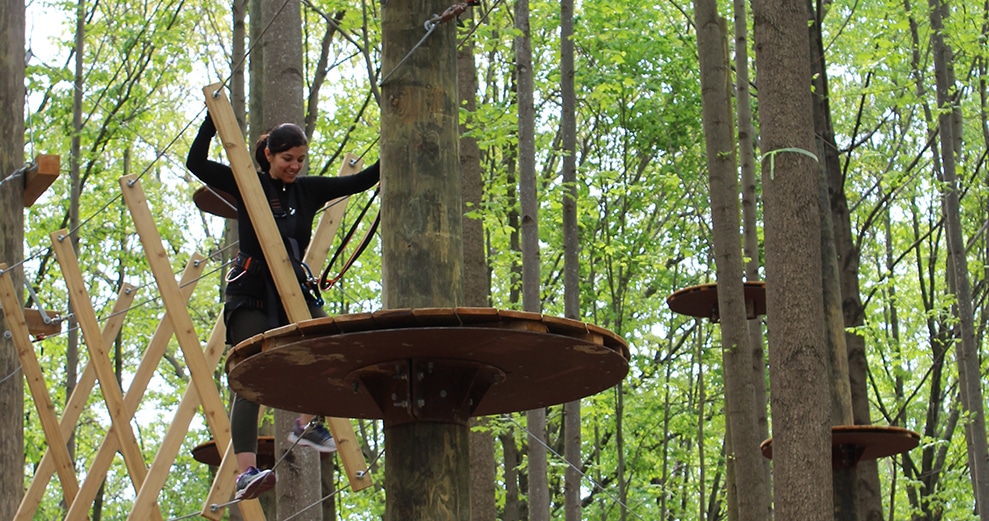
(316, 437)
(253, 482)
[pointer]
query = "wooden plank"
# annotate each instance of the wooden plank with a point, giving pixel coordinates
(132, 400)
(37, 326)
(36, 383)
(350, 453)
(256, 203)
(40, 177)
(73, 409)
(319, 247)
(99, 357)
(178, 314)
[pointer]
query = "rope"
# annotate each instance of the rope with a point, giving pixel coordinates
(429, 31)
(324, 283)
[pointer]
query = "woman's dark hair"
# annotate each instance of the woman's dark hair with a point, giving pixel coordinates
(279, 139)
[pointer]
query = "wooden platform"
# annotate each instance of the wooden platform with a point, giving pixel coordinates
(851, 444)
(442, 364)
(216, 202)
(702, 301)
(208, 453)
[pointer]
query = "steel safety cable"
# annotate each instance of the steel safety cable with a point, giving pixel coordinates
(583, 475)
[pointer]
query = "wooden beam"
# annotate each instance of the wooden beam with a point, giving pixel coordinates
(39, 177)
(36, 383)
(73, 409)
(178, 314)
(99, 357)
(37, 326)
(257, 204)
(145, 371)
(354, 465)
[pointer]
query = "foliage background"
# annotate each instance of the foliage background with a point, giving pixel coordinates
(643, 213)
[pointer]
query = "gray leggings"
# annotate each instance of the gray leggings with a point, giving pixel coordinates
(243, 324)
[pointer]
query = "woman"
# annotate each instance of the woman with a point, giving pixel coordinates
(252, 305)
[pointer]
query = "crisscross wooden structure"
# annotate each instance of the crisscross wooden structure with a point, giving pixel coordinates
(202, 360)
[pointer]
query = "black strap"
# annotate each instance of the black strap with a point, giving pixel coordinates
(324, 281)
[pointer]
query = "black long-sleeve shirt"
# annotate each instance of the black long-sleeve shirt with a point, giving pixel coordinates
(305, 196)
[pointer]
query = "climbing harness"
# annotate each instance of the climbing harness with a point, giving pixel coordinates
(325, 282)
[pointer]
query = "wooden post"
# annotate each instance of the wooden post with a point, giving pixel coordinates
(427, 473)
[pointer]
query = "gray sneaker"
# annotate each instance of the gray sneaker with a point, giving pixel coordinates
(253, 482)
(316, 437)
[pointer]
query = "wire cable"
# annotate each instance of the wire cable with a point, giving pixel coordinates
(583, 475)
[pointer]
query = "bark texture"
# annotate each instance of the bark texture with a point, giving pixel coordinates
(798, 358)
(12, 20)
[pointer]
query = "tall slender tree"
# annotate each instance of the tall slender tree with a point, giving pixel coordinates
(531, 286)
(477, 282)
(966, 351)
(719, 134)
(298, 484)
(571, 249)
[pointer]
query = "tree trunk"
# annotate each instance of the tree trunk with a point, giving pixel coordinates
(750, 241)
(752, 492)
(75, 180)
(966, 352)
(477, 284)
(798, 359)
(536, 418)
(422, 252)
(12, 21)
(571, 251)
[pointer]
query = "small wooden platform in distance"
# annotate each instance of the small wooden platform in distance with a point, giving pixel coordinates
(851, 444)
(37, 326)
(436, 364)
(701, 301)
(208, 453)
(39, 177)
(216, 202)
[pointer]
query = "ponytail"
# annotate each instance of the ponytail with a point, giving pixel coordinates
(279, 139)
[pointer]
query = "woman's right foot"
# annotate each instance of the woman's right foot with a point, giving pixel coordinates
(316, 437)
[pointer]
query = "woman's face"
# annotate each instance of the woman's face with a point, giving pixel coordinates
(286, 165)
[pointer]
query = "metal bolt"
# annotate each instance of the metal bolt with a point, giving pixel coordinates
(421, 403)
(442, 393)
(360, 474)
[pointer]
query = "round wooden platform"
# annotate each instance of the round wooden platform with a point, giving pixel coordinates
(851, 444)
(216, 202)
(208, 453)
(441, 364)
(702, 301)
